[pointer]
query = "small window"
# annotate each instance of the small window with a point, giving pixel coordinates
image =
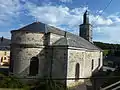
(99, 62)
(27, 32)
(77, 71)
(5, 58)
(92, 64)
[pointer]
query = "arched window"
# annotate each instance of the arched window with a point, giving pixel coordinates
(34, 64)
(77, 71)
(92, 64)
(1, 59)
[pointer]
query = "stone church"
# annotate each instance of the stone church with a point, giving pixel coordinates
(40, 50)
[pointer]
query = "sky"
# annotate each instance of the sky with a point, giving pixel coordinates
(64, 14)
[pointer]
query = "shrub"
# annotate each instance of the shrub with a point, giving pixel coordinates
(14, 82)
(48, 85)
(11, 82)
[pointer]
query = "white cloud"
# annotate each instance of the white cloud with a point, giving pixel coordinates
(115, 17)
(49, 14)
(9, 9)
(107, 33)
(58, 15)
(100, 11)
(5, 34)
(66, 1)
(100, 20)
(110, 31)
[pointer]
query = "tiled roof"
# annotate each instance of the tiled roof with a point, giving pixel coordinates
(5, 44)
(70, 39)
(34, 27)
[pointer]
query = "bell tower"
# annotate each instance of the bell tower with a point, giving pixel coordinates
(85, 30)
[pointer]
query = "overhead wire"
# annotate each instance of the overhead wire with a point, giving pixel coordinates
(102, 12)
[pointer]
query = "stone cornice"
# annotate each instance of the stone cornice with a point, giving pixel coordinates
(27, 45)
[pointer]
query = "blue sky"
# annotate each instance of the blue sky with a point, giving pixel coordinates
(64, 14)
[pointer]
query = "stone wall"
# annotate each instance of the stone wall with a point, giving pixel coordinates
(74, 57)
(48, 61)
(24, 37)
(59, 63)
(54, 38)
(84, 58)
(89, 56)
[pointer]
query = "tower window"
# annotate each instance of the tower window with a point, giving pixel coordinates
(34, 64)
(92, 64)
(77, 71)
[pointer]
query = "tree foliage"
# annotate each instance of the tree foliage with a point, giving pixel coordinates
(109, 49)
(108, 46)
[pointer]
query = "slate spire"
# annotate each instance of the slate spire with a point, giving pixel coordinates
(86, 17)
(86, 28)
